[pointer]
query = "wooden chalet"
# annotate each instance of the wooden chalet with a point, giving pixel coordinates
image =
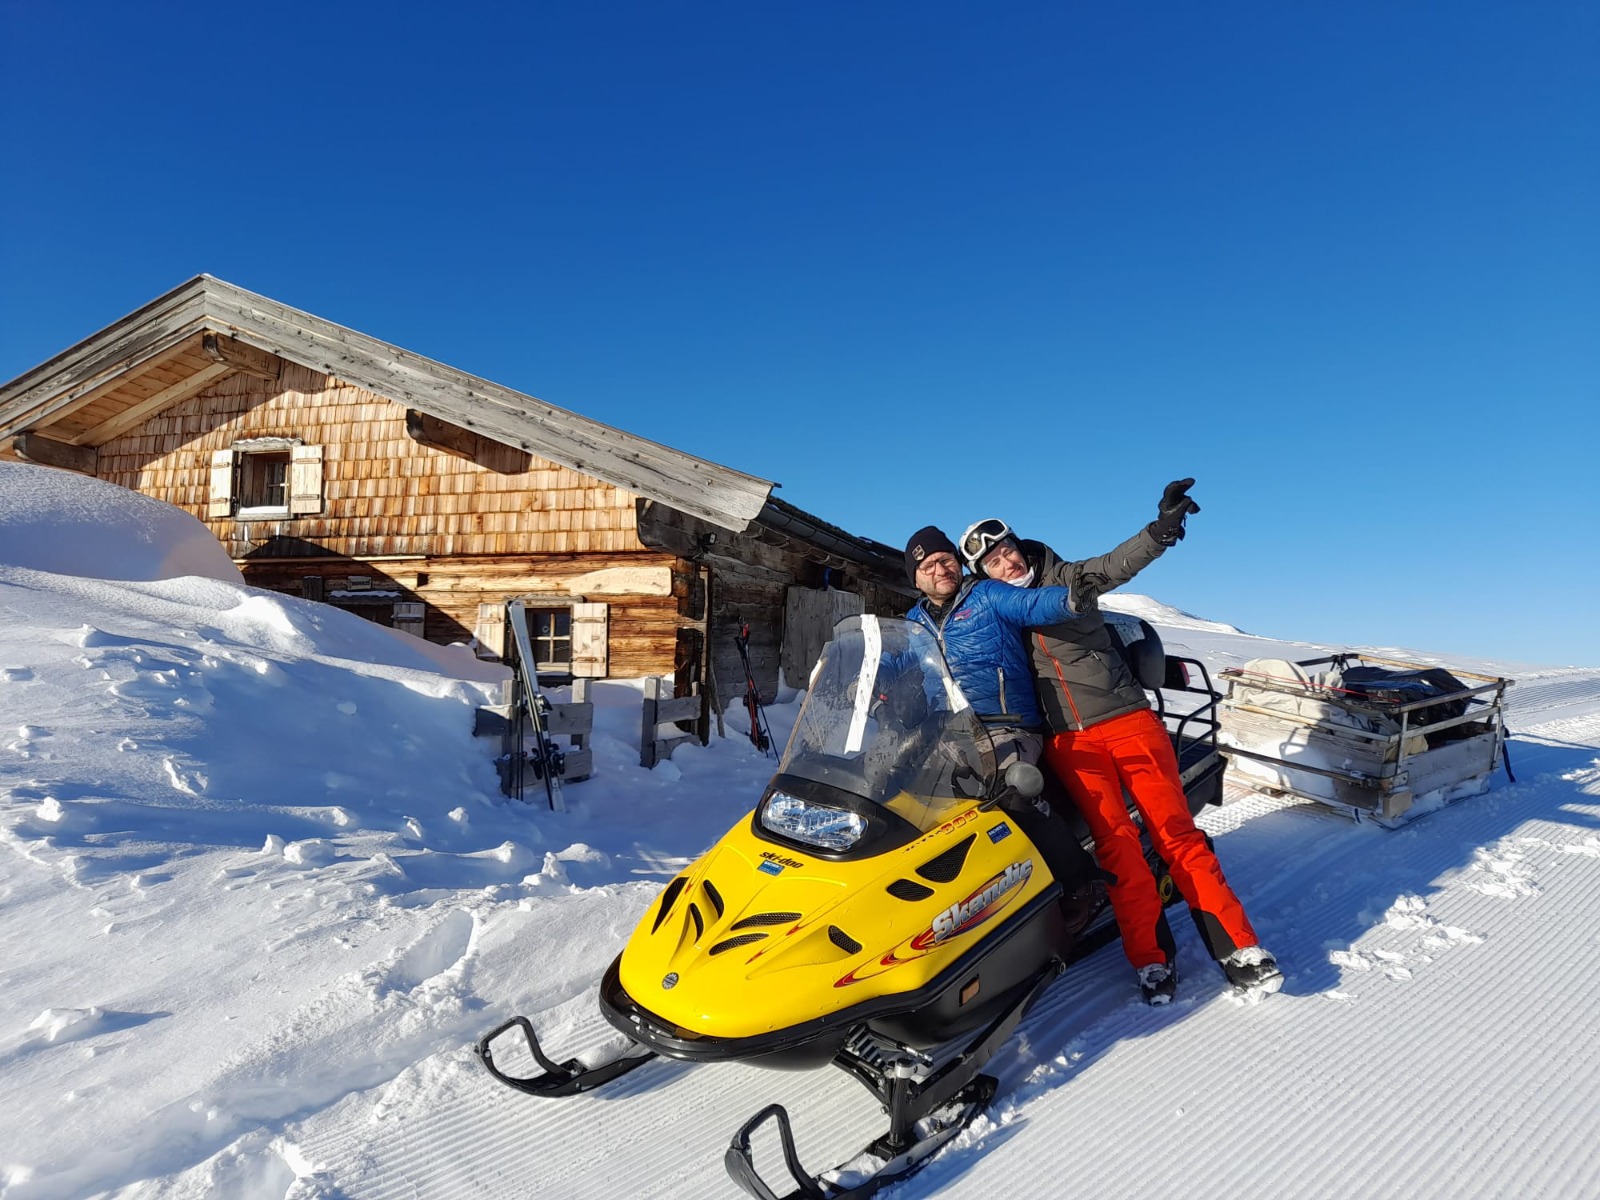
(341, 468)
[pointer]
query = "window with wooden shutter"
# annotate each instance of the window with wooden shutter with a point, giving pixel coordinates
(589, 640)
(408, 616)
(220, 500)
(262, 483)
(305, 480)
(490, 631)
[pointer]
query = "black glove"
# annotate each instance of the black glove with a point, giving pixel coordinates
(1175, 505)
(903, 701)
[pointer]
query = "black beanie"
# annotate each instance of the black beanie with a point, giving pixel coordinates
(930, 539)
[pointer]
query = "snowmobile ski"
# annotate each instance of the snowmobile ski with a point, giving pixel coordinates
(870, 1171)
(559, 1079)
(925, 1111)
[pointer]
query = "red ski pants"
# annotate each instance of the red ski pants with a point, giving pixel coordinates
(1135, 752)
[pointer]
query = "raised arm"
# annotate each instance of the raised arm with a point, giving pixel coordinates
(1092, 577)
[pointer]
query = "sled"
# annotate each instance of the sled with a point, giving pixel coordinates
(1372, 737)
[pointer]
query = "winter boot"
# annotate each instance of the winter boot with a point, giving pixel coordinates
(1252, 969)
(1158, 983)
(1079, 908)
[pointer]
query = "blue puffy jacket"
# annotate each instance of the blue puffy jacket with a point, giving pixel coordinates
(981, 634)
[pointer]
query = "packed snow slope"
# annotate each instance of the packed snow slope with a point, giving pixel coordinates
(260, 893)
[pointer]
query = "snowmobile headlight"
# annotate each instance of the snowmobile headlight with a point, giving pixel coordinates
(814, 824)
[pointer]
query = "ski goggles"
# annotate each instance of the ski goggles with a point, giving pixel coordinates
(983, 537)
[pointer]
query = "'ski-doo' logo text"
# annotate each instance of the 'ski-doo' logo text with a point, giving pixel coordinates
(976, 908)
(780, 860)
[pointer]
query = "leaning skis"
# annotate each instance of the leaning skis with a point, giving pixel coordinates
(760, 734)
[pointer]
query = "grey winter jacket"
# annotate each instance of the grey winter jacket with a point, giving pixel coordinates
(1079, 673)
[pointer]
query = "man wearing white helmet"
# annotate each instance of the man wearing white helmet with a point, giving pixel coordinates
(1104, 738)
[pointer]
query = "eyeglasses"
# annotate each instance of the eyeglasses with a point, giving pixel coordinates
(983, 537)
(939, 563)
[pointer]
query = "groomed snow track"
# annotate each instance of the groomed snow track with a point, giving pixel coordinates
(1332, 1083)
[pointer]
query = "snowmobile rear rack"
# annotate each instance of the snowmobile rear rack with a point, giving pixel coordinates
(1305, 729)
(563, 1079)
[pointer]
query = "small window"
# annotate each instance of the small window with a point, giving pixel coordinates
(552, 637)
(264, 480)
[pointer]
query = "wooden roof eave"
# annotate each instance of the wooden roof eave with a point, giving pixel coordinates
(727, 498)
(56, 386)
(784, 522)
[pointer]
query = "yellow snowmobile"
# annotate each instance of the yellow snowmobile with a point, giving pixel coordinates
(882, 909)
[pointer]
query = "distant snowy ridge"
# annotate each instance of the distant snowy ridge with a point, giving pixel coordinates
(1158, 613)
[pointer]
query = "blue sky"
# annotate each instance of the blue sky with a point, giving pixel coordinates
(919, 262)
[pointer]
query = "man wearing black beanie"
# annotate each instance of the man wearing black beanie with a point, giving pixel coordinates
(930, 539)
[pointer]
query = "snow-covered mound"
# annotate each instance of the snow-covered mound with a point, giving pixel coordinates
(252, 858)
(69, 524)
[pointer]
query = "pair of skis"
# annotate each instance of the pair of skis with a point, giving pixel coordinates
(760, 734)
(546, 759)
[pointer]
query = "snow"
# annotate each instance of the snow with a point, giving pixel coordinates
(261, 893)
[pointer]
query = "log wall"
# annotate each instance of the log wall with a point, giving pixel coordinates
(642, 629)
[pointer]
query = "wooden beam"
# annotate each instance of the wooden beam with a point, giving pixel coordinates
(247, 360)
(48, 452)
(129, 417)
(442, 435)
(488, 453)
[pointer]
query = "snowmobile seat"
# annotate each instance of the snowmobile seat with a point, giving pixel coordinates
(1141, 649)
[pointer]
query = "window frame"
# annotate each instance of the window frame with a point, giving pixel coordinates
(232, 469)
(550, 666)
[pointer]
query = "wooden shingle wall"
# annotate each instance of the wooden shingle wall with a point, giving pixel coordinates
(472, 524)
(384, 493)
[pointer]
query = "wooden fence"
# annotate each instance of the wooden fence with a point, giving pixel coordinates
(659, 710)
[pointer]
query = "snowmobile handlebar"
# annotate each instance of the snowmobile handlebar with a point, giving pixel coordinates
(1022, 780)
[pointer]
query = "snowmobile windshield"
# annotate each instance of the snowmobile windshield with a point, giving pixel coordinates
(884, 721)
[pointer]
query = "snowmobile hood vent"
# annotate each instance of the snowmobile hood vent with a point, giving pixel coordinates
(668, 899)
(713, 895)
(760, 919)
(843, 940)
(945, 867)
(908, 889)
(699, 921)
(734, 943)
